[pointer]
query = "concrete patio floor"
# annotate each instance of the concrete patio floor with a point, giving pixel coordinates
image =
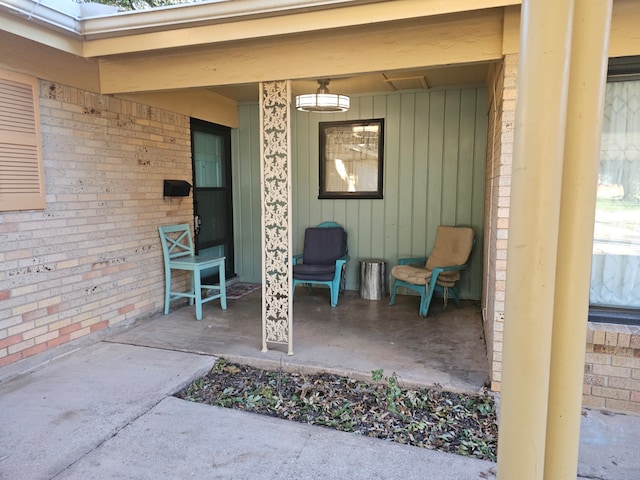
(447, 348)
(105, 410)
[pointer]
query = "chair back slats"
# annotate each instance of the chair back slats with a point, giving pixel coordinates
(177, 241)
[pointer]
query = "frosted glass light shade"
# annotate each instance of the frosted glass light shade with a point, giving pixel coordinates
(323, 101)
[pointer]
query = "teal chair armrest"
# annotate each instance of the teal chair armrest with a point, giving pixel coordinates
(453, 268)
(340, 264)
(297, 258)
(338, 277)
(411, 260)
(342, 260)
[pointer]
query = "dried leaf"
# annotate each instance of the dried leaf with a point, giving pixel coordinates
(427, 418)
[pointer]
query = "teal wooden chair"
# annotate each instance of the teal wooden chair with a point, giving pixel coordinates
(438, 272)
(323, 260)
(178, 251)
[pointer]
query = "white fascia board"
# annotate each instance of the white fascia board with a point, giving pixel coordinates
(199, 13)
(62, 15)
(83, 24)
(80, 20)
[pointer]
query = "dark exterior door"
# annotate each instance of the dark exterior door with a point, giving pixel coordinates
(212, 200)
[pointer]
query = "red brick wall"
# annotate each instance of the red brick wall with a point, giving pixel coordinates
(92, 258)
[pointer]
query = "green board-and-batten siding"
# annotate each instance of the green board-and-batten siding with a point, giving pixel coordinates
(434, 164)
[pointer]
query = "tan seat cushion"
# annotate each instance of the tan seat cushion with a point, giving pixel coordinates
(452, 247)
(421, 276)
(411, 274)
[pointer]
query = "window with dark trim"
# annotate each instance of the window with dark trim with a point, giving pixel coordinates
(21, 171)
(351, 159)
(615, 269)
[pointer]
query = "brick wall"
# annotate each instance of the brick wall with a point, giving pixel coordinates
(612, 368)
(92, 258)
(612, 362)
(503, 82)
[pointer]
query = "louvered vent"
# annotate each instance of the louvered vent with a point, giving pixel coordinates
(20, 162)
(16, 108)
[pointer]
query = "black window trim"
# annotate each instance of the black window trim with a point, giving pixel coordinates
(621, 69)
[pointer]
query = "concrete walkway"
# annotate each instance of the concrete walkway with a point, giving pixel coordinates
(106, 411)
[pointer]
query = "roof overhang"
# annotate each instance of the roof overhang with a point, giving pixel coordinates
(103, 31)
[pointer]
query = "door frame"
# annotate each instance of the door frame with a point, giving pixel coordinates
(225, 133)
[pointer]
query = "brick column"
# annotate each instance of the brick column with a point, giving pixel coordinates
(502, 97)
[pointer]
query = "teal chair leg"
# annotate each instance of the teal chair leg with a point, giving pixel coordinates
(334, 294)
(223, 289)
(424, 304)
(167, 290)
(426, 294)
(452, 291)
(192, 292)
(334, 290)
(394, 287)
(198, 294)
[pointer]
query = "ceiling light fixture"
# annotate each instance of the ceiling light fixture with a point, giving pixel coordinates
(322, 101)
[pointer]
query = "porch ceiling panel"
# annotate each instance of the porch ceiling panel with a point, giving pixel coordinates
(415, 44)
(436, 78)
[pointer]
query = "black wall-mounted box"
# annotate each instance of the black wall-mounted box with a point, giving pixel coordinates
(176, 188)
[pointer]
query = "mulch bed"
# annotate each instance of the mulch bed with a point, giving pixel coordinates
(433, 418)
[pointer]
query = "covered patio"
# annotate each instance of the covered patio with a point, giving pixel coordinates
(447, 348)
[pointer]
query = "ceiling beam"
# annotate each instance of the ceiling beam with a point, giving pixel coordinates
(442, 40)
(201, 104)
(165, 31)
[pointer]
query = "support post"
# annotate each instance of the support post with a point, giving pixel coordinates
(275, 182)
(543, 77)
(585, 106)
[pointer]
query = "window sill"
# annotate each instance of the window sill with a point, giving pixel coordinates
(620, 316)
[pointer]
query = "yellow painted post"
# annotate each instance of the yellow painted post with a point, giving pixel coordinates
(543, 76)
(587, 84)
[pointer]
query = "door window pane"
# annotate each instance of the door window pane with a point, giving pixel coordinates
(615, 271)
(208, 159)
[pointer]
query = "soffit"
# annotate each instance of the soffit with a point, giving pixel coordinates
(381, 82)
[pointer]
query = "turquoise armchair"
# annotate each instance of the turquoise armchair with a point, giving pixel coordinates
(323, 260)
(438, 272)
